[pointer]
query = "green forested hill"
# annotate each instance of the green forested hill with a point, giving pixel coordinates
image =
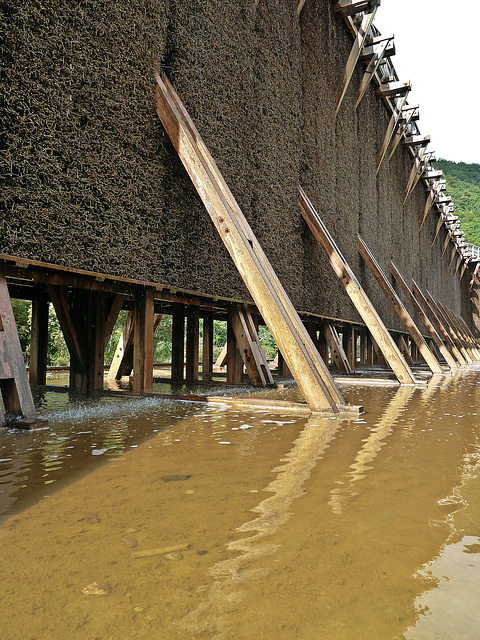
(463, 184)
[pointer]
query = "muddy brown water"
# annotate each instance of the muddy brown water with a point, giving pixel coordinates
(197, 521)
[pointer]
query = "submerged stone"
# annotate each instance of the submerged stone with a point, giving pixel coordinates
(173, 556)
(97, 589)
(175, 477)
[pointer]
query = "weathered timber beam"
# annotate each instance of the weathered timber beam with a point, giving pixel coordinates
(447, 323)
(356, 293)
(358, 44)
(39, 341)
(433, 192)
(433, 317)
(392, 125)
(417, 141)
(353, 7)
(398, 307)
(112, 316)
(14, 386)
(338, 354)
(310, 372)
(58, 296)
(449, 359)
(122, 351)
(371, 48)
(418, 167)
(248, 344)
(394, 89)
(408, 115)
(379, 53)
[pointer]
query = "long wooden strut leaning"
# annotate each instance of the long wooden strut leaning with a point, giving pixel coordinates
(398, 307)
(307, 367)
(356, 293)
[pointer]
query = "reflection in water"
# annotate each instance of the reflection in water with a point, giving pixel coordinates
(341, 495)
(273, 512)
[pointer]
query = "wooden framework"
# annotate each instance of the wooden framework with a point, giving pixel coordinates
(399, 308)
(310, 372)
(356, 293)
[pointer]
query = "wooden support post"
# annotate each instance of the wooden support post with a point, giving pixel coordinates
(39, 341)
(192, 346)
(356, 293)
(392, 125)
(311, 374)
(450, 329)
(96, 344)
(178, 344)
(457, 330)
(207, 352)
(378, 55)
(122, 362)
(435, 320)
(221, 361)
(358, 44)
(379, 357)
(415, 174)
(339, 356)
(248, 344)
(19, 410)
(349, 346)
(116, 305)
(283, 369)
(402, 345)
(408, 115)
(234, 357)
(398, 307)
(370, 351)
(299, 7)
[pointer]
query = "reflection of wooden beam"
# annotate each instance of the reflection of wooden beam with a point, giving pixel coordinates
(372, 68)
(310, 372)
(398, 307)
(424, 318)
(360, 38)
(356, 292)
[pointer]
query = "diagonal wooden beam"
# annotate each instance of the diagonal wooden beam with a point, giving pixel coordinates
(356, 293)
(58, 296)
(433, 191)
(416, 172)
(336, 347)
(449, 359)
(392, 125)
(299, 7)
(248, 343)
(398, 307)
(358, 44)
(310, 372)
(409, 114)
(449, 326)
(372, 68)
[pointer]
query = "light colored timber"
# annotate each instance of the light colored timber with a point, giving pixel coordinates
(353, 7)
(392, 125)
(14, 385)
(338, 354)
(358, 44)
(398, 307)
(433, 191)
(409, 115)
(310, 372)
(433, 317)
(379, 54)
(447, 323)
(299, 8)
(416, 172)
(449, 359)
(356, 293)
(248, 344)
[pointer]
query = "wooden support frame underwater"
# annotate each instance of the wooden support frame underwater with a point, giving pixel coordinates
(310, 372)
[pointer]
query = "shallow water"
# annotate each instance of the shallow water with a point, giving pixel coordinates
(291, 529)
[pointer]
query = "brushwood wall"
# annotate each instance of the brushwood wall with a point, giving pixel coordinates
(91, 181)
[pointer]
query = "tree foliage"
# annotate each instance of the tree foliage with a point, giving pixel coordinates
(463, 184)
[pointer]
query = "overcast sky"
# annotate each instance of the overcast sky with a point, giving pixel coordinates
(437, 43)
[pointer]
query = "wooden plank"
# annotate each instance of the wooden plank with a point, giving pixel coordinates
(143, 341)
(112, 316)
(408, 115)
(402, 345)
(39, 342)
(248, 344)
(234, 357)
(95, 344)
(124, 345)
(178, 344)
(459, 330)
(449, 359)
(192, 346)
(399, 307)
(392, 125)
(15, 389)
(353, 7)
(221, 361)
(416, 172)
(433, 191)
(299, 7)
(454, 335)
(356, 292)
(358, 44)
(312, 376)
(379, 53)
(433, 317)
(207, 352)
(338, 354)
(58, 296)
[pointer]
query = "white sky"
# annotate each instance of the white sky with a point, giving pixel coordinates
(437, 44)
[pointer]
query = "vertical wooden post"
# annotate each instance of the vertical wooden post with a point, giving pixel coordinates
(349, 345)
(97, 341)
(370, 351)
(207, 357)
(39, 341)
(193, 332)
(143, 340)
(178, 343)
(234, 357)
